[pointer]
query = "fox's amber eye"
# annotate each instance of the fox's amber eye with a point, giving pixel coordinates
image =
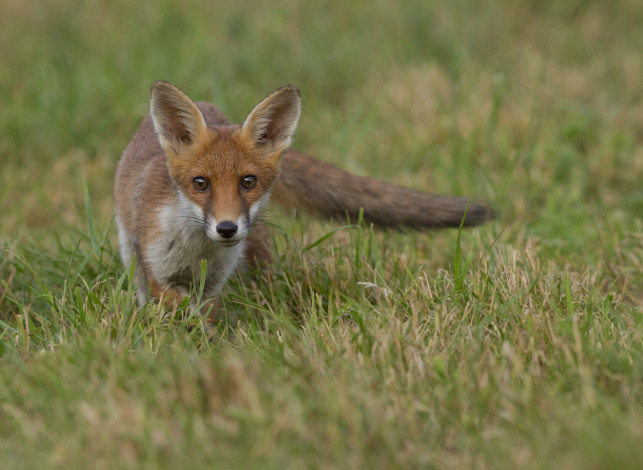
(200, 183)
(248, 182)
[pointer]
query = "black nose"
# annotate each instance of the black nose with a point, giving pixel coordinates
(227, 229)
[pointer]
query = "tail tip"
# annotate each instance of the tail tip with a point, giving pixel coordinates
(478, 214)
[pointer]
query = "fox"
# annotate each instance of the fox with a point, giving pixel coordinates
(191, 186)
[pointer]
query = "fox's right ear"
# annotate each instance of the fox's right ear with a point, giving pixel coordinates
(177, 120)
(272, 122)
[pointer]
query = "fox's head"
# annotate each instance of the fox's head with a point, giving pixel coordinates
(224, 173)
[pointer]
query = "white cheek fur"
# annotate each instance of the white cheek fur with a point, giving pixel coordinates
(257, 206)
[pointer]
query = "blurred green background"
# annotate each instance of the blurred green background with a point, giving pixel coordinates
(532, 105)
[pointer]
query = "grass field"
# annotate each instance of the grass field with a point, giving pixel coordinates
(518, 344)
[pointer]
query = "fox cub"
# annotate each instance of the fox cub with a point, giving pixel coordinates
(190, 186)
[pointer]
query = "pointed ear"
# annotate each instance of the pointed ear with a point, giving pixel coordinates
(272, 123)
(177, 120)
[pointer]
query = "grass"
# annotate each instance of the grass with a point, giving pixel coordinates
(515, 345)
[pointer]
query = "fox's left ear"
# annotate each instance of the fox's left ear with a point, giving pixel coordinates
(177, 120)
(272, 122)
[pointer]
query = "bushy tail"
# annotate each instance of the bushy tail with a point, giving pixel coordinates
(328, 191)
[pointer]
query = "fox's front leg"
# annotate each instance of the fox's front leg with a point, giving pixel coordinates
(207, 309)
(165, 295)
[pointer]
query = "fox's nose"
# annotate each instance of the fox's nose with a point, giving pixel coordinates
(227, 229)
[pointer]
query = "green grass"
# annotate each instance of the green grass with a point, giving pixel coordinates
(515, 345)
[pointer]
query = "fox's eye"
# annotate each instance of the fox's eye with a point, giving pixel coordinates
(200, 183)
(249, 182)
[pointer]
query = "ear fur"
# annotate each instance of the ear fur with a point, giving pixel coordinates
(272, 122)
(177, 120)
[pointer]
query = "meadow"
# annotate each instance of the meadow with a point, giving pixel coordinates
(517, 344)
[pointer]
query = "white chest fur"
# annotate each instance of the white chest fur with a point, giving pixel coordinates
(175, 256)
